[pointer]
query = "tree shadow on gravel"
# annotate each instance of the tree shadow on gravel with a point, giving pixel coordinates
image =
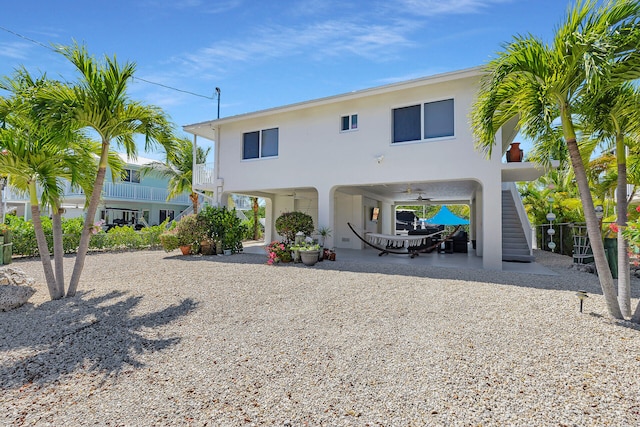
(101, 335)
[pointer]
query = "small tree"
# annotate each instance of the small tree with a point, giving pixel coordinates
(290, 223)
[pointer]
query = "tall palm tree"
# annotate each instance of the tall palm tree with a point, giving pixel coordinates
(537, 83)
(39, 159)
(99, 102)
(178, 169)
(611, 119)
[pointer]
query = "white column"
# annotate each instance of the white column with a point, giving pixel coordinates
(326, 213)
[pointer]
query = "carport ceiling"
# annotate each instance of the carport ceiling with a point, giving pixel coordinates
(434, 192)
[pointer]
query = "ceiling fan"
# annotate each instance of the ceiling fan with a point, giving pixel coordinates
(420, 198)
(410, 190)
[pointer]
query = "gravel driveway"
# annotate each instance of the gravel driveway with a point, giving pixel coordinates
(157, 339)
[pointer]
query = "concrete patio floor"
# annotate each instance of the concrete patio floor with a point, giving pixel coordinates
(434, 259)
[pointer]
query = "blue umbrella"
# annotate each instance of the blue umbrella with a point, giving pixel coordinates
(446, 217)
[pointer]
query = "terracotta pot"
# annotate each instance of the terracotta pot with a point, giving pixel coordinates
(186, 250)
(514, 153)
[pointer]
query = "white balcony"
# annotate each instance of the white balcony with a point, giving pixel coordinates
(117, 191)
(204, 177)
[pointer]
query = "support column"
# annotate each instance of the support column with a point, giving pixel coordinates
(326, 217)
(491, 225)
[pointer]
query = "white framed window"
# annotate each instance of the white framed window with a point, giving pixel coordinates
(259, 144)
(131, 175)
(423, 121)
(348, 122)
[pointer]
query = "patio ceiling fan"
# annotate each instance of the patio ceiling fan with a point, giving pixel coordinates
(410, 190)
(420, 198)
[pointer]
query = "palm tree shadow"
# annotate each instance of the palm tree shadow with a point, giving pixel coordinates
(100, 334)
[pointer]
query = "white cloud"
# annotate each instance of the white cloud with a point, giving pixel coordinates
(317, 40)
(448, 7)
(15, 50)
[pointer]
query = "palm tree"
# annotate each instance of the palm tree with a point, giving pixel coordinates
(99, 102)
(538, 83)
(178, 169)
(611, 119)
(39, 159)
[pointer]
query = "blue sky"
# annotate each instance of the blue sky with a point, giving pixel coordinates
(267, 53)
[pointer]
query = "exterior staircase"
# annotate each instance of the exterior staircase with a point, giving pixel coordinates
(515, 246)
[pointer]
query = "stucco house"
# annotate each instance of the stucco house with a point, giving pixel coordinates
(130, 199)
(337, 158)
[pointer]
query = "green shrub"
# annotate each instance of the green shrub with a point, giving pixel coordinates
(223, 225)
(290, 223)
(169, 241)
(151, 235)
(248, 226)
(24, 236)
(124, 238)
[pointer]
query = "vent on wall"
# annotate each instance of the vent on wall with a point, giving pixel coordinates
(346, 239)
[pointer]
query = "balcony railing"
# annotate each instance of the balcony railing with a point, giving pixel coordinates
(203, 174)
(116, 191)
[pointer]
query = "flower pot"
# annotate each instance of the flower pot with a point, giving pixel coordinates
(309, 257)
(186, 249)
(514, 153)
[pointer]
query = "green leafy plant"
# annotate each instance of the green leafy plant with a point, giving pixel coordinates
(290, 223)
(124, 238)
(223, 225)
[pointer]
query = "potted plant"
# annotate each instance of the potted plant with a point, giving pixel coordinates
(309, 253)
(277, 252)
(290, 223)
(188, 232)
(323, 232)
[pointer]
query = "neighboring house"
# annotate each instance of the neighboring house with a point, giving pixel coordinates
(131, 199)
(338, 158)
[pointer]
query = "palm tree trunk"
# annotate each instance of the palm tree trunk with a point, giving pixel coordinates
(43, 248)
(624, 274)
(58, 250)
(194, 202)
(256, 209)
(593, 230)
(83, 247)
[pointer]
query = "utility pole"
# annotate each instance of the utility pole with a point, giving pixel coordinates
(218, 96)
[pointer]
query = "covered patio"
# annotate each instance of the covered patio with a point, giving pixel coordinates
(461, 261)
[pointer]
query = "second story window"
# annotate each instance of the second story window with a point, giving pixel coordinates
(131, 175)
(349, 122)
(260, 144)
(423, 121)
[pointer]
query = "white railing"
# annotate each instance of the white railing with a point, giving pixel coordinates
(203, 174)
(120, 191)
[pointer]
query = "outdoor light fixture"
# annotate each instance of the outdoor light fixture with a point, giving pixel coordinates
(582, 295)
(380, 158)
(599, 212)
(551, 217)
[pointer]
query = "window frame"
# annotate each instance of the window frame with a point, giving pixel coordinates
(261, 144)
(352, 124)
(128, 175)
(423, 132)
